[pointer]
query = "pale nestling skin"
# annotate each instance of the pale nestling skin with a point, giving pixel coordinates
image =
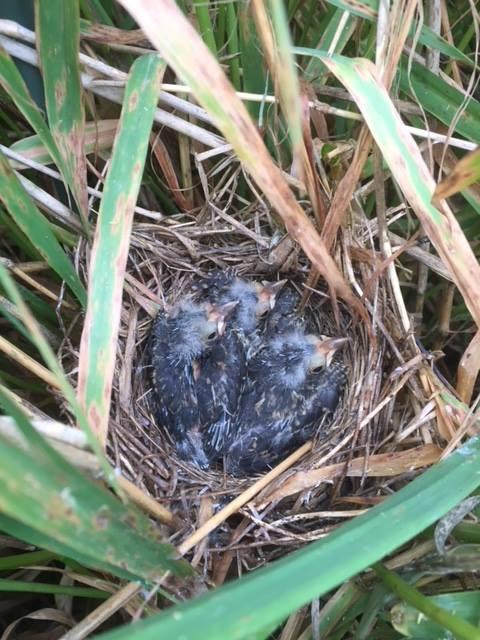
(179, 340)
(292, 384)
(223, 371)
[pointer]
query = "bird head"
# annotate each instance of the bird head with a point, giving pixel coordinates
(284, 316)
(324, 349)
(293, 356)
(254, 300)
(196, 326)
(217, 315)
(267, 293)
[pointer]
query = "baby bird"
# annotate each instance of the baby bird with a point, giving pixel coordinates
(284, 317)
(223, 372)
(179, 341)
(291, 385)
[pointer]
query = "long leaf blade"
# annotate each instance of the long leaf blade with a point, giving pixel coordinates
(42, 491)
(112, 238)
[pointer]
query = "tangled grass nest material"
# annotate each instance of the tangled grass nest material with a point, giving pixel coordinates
(377, 413)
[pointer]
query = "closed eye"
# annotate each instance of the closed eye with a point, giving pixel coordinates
(212, 336)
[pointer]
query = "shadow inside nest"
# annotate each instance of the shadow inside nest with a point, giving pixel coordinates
(165, 261)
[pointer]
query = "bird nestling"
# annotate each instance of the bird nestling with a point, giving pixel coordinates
(179, 341)
(223, 370)
(284, 317)
(292, 384)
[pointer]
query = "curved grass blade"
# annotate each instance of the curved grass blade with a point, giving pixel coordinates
(250, 604)
(45, 493)
(409, 170)
(35, 226)
(112, 238)
(326, 37)
(58, 42)
(167, 28)
(297, 116)
(13, 84)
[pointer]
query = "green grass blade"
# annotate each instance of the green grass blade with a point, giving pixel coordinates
(254, 77)
(9, 563)
(17, 586)
(325, 39)
(441, 100)
(286, 78)
(21, 531)
(13, 84)
(58, 42)
(250, 604)
(35, 226)
(232, 45)
(112, 238)
(45, 493)
(205, 24)
(17, 238)
(38, 339)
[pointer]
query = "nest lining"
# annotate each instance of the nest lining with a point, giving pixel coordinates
(165, 259)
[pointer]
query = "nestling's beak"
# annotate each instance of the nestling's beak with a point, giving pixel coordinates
(328, 346)
(219, 313)
(270, 291)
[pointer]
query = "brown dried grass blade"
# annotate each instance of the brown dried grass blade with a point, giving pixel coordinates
(164, 160)
(465, 173)
(383, 464)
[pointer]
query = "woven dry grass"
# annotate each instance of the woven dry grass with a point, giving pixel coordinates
(380, 418)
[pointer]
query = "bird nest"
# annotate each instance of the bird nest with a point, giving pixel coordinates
(377, 413)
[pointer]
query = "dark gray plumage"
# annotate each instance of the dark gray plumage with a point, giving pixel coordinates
(179, 341)
(292, 384)
(222, 373)
(284, 317)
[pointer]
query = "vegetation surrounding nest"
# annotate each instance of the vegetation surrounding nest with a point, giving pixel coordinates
(296, 188)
